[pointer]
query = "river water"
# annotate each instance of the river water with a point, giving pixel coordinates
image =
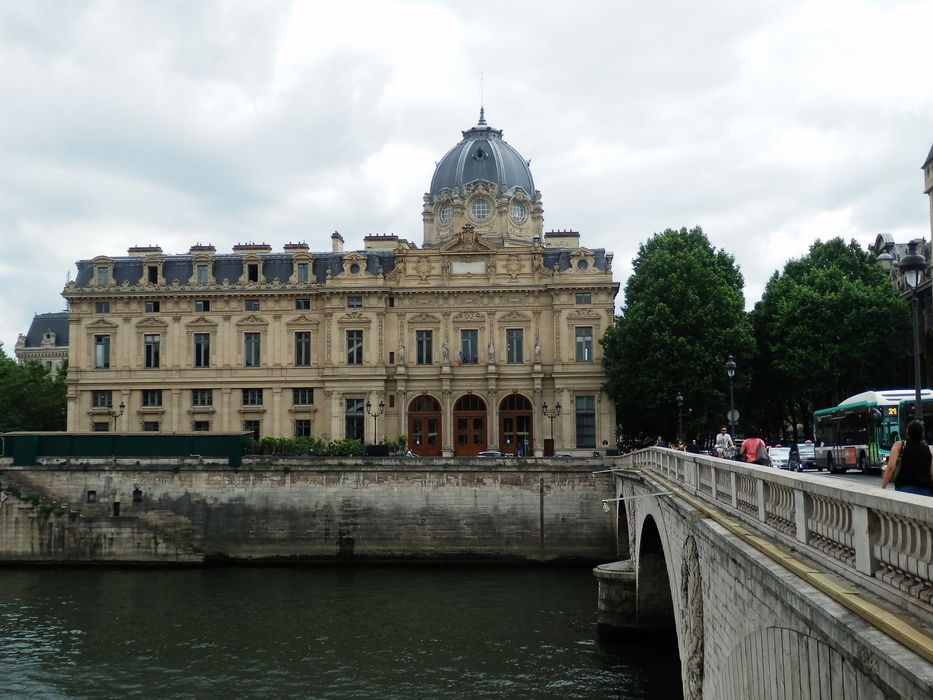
(316, 632)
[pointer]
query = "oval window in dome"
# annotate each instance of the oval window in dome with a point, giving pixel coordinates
(445, 213)
(481, 209)
(517, 211)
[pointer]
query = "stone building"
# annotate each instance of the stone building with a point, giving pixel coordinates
(45, 342)
(471, 341)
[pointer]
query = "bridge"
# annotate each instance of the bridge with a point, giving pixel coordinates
(777, 584)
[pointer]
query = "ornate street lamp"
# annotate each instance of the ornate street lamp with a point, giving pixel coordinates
(913, 266)
(551, 415)
(733, 415)
(115, 415)
(679, 400)
(375, 414)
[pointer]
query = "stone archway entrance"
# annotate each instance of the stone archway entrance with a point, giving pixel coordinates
(424, 426)
(470, 436)
(515, 425)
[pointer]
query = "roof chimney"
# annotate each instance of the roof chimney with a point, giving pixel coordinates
(337, 242)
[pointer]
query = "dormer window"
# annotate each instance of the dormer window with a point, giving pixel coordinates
(252, 272)
(103, 275)
(202, 274)
(302, 272)
(152, 274)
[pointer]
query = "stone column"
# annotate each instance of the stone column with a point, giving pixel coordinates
(617, 607)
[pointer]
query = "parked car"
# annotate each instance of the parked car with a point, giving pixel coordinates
(491, 454)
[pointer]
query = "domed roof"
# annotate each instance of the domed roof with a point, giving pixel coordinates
(482, 155)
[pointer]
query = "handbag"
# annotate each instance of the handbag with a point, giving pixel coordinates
(761, 455)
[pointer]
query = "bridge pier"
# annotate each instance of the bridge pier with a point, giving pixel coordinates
(617, 611)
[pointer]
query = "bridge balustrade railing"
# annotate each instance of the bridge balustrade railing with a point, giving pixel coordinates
(864, 531)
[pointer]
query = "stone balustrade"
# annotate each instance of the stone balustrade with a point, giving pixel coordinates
(881, 539)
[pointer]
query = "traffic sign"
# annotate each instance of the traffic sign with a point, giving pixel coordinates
(732, 415)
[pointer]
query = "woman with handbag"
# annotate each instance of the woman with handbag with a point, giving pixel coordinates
(910, 464)
(754, 449)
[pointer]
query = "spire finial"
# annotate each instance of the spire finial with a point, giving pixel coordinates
(482, 117)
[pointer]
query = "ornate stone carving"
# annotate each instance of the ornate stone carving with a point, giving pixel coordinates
(691, 603)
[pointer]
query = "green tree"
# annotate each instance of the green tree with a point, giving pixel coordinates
(31, 397)
(831, 325)
(684, 314)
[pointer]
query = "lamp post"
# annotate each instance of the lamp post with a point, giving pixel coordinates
(912, 265)
(733, 415)
(679, 400)
(551, 415)
(375, 414)
(115, 415)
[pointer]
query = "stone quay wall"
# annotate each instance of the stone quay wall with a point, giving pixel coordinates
(390, 510)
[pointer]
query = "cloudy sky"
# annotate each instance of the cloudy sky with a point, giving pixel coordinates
(769, 123)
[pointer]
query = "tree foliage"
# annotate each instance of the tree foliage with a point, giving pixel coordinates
(31, 397)
(684, 314)
(831, 325)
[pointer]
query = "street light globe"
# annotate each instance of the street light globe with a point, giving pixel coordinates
(730, 367)
(913, 265)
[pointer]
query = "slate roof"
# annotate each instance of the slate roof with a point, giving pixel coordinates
(56, 322)
(482, 155)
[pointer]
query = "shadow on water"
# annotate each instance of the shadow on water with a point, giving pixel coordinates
(317, 632)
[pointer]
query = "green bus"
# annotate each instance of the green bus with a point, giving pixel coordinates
(859, 432)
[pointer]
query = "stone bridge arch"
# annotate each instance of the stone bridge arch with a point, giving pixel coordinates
(713, 555)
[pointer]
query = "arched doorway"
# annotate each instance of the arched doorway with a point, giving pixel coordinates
(424, 426)
(469, 426)
(515, 421)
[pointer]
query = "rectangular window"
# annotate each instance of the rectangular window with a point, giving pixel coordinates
(302, 304)
(252, 397)
(354, 347)
(103, 275)
(101, 352)
(202, 274)
(151, 426)
(252, 426)
(586, 421)
(202, 349)
(469, 347)
(251, 305)
(152, 274)
(354, 419)
(391, 400)
(251, 349)
(584, 344)
(201, 426)
(302, 272)
(202, 305)
(252, 272)
(151, 307)
(152, 343)
(584, 298)
(102, 399)
(303, 348)
(391, 302)
(102, 307)
(355, 301)
(100, 427)
(152, 397)
(302, 428)
(514, 345)
(424, 341)
(202, 397)
(303, 396)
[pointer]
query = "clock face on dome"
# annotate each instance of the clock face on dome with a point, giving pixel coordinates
(445, 213)
(481, 209)
(517, 212)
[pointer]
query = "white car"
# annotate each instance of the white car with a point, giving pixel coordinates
(780, 458)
